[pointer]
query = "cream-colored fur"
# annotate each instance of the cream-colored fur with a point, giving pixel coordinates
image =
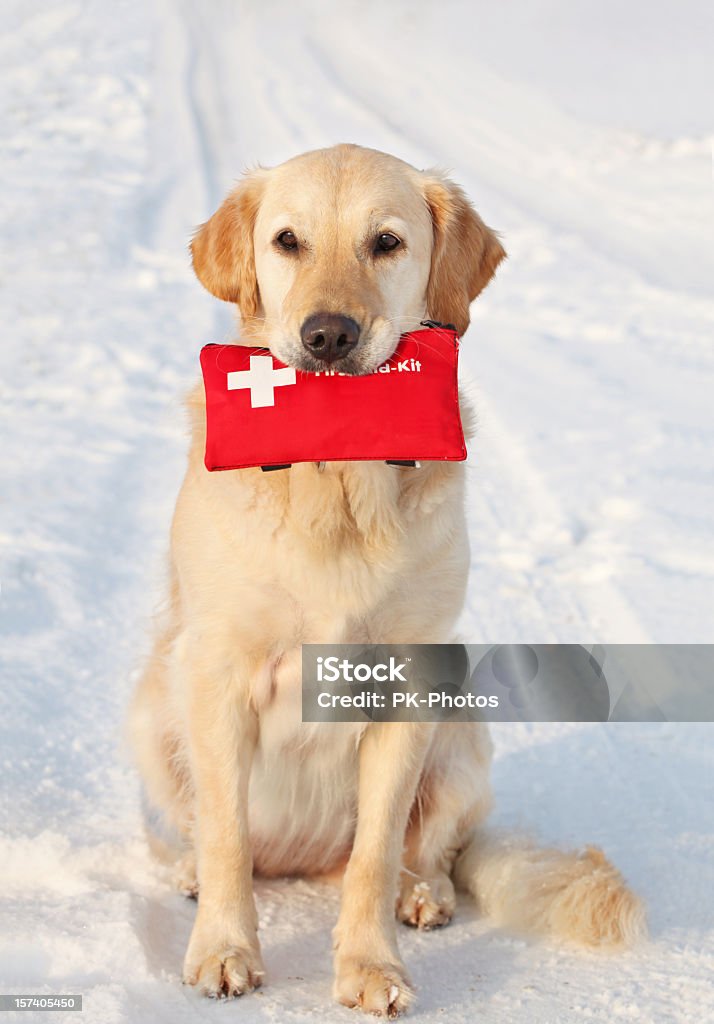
(262, 563)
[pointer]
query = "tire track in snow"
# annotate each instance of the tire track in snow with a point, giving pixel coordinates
(524, 544)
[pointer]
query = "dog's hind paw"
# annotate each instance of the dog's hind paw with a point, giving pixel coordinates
(184, 877)
(425, 903)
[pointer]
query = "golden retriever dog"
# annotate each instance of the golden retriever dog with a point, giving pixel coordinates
(329, 258)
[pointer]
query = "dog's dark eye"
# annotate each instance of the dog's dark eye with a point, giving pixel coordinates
(386, 242)
(287, 240)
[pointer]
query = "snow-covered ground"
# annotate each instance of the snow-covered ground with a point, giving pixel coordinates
(583, 133)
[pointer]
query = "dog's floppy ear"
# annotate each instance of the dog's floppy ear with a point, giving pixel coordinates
(465, 256)
(222, 248)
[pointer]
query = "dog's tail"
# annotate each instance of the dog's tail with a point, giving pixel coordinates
(577, 897)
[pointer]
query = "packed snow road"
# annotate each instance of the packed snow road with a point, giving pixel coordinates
(591, 485)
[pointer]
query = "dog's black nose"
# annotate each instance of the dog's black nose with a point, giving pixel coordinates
(329, 336)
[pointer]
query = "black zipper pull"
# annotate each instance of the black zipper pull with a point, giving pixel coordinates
(437, 324)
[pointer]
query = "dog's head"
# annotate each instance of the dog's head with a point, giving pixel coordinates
(334, 254)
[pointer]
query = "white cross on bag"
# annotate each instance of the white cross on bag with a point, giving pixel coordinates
(262, 378)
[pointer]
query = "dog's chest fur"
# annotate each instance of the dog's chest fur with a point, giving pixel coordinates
(309, 555)
(345, 538)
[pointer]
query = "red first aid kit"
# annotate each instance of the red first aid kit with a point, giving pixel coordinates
(262, 413)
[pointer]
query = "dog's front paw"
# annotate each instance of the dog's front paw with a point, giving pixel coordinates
(378, 988)
(425, 903)
(225, 971)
